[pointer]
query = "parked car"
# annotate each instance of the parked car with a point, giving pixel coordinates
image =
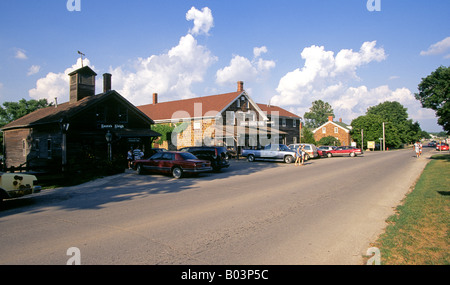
(442, 146)
(15, 185)
(432, 144)
(311, 150)
(270, 152)
(172, 162)
(324, 149)
(217, 155)
(344, 150)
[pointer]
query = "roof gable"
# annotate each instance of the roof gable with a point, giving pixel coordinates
(340, 125)
(269, 109)
(65, 111)
(207, 106)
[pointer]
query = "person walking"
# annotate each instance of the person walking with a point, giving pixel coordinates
(298, 157)
(130, 157)
(303, 155)
(417, 149)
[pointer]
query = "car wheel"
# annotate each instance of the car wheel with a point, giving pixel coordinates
(251, 158)
(352, 154)
(139, 169)
(288, 159)
(177, 172)
(329, 155)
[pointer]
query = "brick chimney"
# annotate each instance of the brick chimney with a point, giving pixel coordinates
(106, 82)
(82, 84)
(340, 120)
(240, 86)
(155, 98)
(330, 118)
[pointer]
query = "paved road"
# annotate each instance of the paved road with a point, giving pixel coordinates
(326, 212)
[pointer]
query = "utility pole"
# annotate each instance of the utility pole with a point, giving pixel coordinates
(384, 139)
(362, 140)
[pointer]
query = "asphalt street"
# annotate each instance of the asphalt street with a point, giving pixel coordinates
(261, 213)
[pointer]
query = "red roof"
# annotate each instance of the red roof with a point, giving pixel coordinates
(210, 107)
(269, 109)
(181, 109)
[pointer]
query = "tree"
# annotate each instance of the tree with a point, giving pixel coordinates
(307, 136)
(15, 110)
(434, 93)
(329, 140)
(398, 129)
(318, 114)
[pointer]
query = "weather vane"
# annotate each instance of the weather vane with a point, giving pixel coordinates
(81, 54)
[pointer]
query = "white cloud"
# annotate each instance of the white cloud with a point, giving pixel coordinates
(258, 51)
(438, 48)
(171, 74)
(55, 85)
(328, 78)
(243, 69)
(20, 54)
(33, 70)
(203, 20)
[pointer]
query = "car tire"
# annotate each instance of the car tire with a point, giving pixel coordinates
(251, 158)
(288, 159)
(352, 154)
(140, 169)
(177, 172)
(329, 155)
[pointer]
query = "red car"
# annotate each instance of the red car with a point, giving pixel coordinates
(344, 150)
(172, 162)
(442, 146)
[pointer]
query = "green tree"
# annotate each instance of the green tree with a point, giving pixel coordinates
(329, 140)
(12, 111)
(307, 136)
(318, 114)
(398, 129)
(434, 93)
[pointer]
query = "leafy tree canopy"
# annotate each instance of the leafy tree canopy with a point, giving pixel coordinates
(12, 111)
(434, 93)
(329, 140)
(318, 114)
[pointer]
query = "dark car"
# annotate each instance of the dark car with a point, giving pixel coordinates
(172, 162)
(217, 155)
(344, 150)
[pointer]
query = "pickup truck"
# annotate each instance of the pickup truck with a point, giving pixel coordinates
(272, 152)
(15, 185)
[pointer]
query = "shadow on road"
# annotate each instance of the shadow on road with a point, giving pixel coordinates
(122, 187)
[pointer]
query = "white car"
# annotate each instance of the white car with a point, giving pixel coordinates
(15, 185)
(311, 150)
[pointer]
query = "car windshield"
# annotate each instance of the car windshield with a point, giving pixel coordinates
(187, 155)
(284, 147)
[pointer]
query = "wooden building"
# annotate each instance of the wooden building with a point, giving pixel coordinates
(89, 129)
(231, 119)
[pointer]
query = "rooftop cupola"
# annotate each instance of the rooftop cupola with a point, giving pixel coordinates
(82, 84)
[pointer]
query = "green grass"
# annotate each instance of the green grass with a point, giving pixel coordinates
(418, 234)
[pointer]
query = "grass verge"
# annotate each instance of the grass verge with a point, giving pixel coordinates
(418, 234)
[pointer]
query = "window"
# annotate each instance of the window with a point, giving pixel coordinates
(24, 147)
(324, 130)
(49, 148)
(123, 114)
(294, 123)
(238, 103)
(336, 130)
(37, 148)
(283, 122)
(101, 114)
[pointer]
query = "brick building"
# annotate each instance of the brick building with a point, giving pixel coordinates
(231, 119)
(338, 130)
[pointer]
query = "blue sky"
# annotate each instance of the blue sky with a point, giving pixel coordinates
(287, 52)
